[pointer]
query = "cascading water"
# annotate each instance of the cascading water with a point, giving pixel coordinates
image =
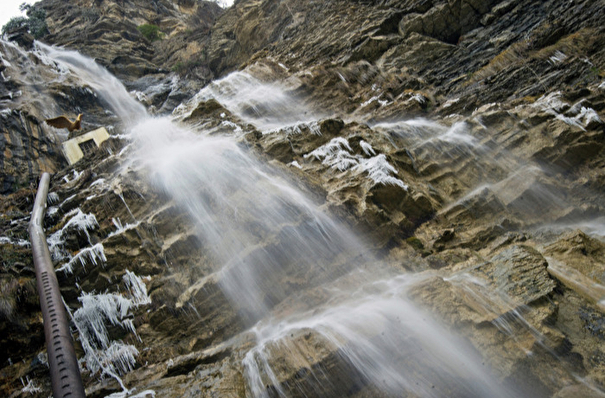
(258, 228)
(271, 243)
(97, 78)
(313, 295)
(267, 105)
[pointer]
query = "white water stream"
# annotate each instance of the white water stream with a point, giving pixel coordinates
(289, 269)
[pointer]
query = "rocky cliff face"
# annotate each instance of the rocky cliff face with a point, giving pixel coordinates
(107, 31)
(463, 139)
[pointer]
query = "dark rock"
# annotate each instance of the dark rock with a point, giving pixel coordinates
(22, 37)
(446, 21)
(446, 236)
(331, 127)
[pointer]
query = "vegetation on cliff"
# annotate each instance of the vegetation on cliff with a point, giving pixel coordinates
(34, 21)
(150, 31)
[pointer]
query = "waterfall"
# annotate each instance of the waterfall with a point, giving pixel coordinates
(111, 90)
(265, 104)
(305, 284)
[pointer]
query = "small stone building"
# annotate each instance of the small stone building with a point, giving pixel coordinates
(78, 147)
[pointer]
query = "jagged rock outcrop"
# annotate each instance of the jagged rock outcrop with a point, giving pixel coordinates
(111, 35)
(462, 139)
(108, 31)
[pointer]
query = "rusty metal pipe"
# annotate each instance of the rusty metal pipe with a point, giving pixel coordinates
(65, 375)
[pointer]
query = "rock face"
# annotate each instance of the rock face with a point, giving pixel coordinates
(148, 66)
(463, 140)
(520, 272)
(26, 151)
(111, 34)
(31, 92)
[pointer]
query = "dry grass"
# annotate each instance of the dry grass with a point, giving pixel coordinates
(515, 54)
(8, 294)
(576, 44)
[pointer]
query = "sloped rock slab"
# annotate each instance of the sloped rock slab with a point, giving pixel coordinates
(520, 272)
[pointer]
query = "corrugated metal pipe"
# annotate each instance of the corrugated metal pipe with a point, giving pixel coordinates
(65, 375)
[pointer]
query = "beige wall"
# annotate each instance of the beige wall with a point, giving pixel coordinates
(72, 151)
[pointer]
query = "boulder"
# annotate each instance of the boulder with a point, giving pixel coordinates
(521, 273)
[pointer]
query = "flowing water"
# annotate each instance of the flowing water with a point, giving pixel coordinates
(307, 286)
(267, 105)
(111, 90)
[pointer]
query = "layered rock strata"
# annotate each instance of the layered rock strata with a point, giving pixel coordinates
(495, 201)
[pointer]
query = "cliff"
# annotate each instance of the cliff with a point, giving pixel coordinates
(461, 140)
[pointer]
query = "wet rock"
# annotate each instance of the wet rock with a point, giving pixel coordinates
(206, 109)
(581, 252)
(529, 193)
(520, 272)
(331, 127)
(577, 390)
(187, 363)
(482, 204)
(492, 65)
(487, 315)
(306, 360)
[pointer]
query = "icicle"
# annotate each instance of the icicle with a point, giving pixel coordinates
(126, 204)
(588, 115)
(82, 221)
(331, 147)
(341, 160)
(79, 220)
(100, 181)
(236, 128)
(112, 357)
(314, 128)
(294, 129)
(421, 99)
(373, 99)
(136, 288)
(4, 240)
(76, 176)
(550, 103)
(93, 358)
(118, 224)
(379, 170)
(335, 154)
(31, 386)
(129, 325)
(95, 310)
(52, 198)
(93, 254)
(127, 394)
(120, 357)
(121, 228)
(557, 57)
(367, 148)
(582, 119)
